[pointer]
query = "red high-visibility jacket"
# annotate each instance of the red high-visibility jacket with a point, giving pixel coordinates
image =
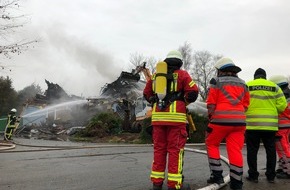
(175, 113)
(284, 117)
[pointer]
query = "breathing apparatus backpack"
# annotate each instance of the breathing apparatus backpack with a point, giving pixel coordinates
(161, 80)
(164, 85)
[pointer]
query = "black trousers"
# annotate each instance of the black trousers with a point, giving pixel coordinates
(253, 139)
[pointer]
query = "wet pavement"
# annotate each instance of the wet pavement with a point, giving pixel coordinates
(39, 165)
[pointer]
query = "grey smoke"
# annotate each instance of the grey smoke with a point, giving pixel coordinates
(77, 65)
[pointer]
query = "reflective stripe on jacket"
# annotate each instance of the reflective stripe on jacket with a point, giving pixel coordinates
(266, 102)
(11, 120)
(227, 101)
(175, 113)
(284, 117)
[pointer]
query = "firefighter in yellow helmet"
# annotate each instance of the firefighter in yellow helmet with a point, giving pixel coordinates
(12, 122)
(282, 136)
(169, 120)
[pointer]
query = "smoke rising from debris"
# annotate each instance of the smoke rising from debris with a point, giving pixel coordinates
(78, 66)
(83, 53)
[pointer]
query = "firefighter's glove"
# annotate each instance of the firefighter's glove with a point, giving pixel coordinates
(153, 99)
(191, 96)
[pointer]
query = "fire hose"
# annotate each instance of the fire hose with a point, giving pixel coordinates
(213, 186)
(6, 146)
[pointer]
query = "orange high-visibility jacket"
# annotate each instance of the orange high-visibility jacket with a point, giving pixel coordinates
(227, 101)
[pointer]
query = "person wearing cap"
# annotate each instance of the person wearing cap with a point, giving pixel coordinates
(169, 122)
(283, 133)
(266, 102)
(227, 101)
(12, 120)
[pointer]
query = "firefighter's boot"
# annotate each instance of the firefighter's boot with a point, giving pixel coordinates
(216, 177)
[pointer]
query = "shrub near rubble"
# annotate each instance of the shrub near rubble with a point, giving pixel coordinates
(102, 125)
(107, 127)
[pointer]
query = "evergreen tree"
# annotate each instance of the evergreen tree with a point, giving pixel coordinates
(8, 96)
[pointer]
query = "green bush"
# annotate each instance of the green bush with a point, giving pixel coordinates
(145, 137)
(102, 125)
(201, 123)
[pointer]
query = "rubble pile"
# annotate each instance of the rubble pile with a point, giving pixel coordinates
(118, 97)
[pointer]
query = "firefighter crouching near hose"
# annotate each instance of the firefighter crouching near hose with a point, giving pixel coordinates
(12, 122)
(282, 135)
(227, 101)
(169, 122)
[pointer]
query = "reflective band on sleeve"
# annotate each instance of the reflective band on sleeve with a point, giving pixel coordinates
(191, 83)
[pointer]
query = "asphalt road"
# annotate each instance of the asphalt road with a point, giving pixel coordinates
(102, 167)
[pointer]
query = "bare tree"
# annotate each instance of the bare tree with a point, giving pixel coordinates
(10, 22)
(151, 64)
(186, 52)
(203, 70)
(137, 59)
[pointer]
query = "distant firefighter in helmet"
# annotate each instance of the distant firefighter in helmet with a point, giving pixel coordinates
(12, 123)
(283, 133)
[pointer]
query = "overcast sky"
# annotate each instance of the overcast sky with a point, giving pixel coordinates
(85, 44)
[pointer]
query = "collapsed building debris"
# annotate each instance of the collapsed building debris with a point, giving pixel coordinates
(54, 107)
(120, 97)
(53, 94)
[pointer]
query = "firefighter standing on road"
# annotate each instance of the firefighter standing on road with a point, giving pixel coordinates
(12, 121)
(267, 101)
(282, 136)
(169, 122)
(227, 101)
